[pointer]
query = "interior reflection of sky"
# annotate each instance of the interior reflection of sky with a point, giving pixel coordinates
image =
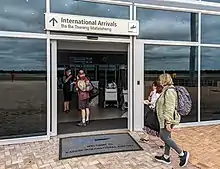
(28, 16)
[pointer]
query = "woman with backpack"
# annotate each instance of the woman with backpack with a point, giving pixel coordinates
(168, 117)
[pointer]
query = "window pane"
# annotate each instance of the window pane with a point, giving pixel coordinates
(90, 9)
(167, 25)
(22, 15)
(210, 83)
(180, 62)
(212, 0)
(23, 100)
(210, 29)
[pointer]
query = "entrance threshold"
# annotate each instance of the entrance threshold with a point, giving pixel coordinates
(93, 133)
(95, 125)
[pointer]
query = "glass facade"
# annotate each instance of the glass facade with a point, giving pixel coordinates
(181, 63)
(210, 83)
(212, 0)
(167, 25)
(23, 60)
(210, 29)
(22, 15)
(90, 9)
(23, 87)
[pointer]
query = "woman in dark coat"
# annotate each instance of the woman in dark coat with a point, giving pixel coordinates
(151, 124)
(67, 89)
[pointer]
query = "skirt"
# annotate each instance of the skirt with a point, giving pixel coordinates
(151, 123)
(67, 96)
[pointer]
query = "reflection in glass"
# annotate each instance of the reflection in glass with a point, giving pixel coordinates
(90, 9)
(180, 62)
(210, 83)
(22, 15)
(212, 0)
(167, 25)
(210, 29)
(23, 101)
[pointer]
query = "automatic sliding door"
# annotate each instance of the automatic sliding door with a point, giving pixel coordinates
(54, 86)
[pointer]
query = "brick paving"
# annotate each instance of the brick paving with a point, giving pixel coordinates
(44, 155)
(203, 144)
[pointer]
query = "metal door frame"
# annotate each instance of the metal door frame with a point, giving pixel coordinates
(54, 48)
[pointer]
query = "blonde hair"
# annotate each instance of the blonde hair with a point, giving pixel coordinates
(166, 79)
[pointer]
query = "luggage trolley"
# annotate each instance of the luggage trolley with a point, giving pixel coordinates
(111, 95)
(125, 101)
(111, 90)
(124, 92)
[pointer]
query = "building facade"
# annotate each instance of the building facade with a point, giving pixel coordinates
(180, 37)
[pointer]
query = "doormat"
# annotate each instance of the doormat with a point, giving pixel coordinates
(97, 144)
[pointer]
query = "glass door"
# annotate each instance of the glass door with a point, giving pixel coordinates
(54, 86)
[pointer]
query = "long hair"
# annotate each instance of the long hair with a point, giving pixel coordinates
(155, 83)
(159, 88)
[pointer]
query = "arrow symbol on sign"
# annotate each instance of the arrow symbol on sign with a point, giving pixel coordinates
(53, 20)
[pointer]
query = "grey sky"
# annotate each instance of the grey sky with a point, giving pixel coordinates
(22, 54)
(212, 0)
(28, 16)
(22, 15)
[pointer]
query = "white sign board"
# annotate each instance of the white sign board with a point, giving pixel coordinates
(87, 24)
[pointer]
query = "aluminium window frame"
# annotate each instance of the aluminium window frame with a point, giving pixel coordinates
(48, 38)
(184, 43)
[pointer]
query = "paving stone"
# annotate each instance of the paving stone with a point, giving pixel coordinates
(203, 143)
(44, 155)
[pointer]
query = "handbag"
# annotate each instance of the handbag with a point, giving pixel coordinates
(151, 120)
(93, 93)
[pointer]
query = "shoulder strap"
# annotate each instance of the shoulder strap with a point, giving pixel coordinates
(90, 82)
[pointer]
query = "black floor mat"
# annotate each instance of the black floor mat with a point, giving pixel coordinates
(97, 144)
(96, 125)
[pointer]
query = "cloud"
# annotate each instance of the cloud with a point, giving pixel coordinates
(90, 9)
(178, 58)
(166, 57)
(164, 25)
(167, 25)
(210, 58)
(210, 29)
(28, 16)
(22, 54)
(22, 15)
(213, 0)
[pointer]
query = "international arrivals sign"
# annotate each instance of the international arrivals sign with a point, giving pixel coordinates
(87, 24)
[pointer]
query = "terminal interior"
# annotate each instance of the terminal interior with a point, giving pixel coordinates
(107, 70)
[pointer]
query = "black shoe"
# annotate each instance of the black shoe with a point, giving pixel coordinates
(143, 140)
(161, 146)
(184, 159)
(87, 122)
(81, 124)
(162, 159)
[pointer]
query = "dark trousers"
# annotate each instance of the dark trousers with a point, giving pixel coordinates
(165, 135)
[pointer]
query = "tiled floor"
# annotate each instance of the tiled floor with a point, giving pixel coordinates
(202, 142)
